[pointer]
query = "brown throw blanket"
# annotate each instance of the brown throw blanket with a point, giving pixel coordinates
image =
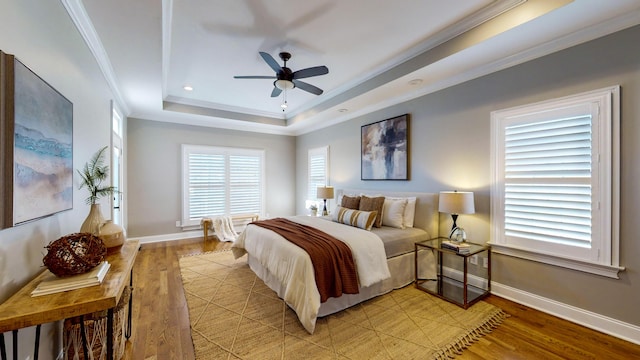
(335, 270)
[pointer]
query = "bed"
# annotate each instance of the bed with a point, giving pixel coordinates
(384, 257)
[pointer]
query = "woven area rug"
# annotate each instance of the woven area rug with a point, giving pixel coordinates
(234, 315)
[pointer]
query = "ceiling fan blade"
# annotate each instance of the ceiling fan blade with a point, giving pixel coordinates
(276, 92)
(309, 72)
(307, 87)
(254, 77)
(270, 61)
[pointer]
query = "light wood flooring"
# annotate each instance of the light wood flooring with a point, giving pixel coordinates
(161, 321)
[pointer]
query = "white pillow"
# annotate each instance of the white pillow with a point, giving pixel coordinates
(393, 212)
(409, 210)
(362, 219)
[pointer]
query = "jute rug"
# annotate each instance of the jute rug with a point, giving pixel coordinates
(234, 315)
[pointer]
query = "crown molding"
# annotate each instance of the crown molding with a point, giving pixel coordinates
(78, 14)
(591, 33)
(167, 23)
(225, 108)
(480, 17)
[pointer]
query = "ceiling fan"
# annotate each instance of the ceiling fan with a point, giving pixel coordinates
(287, 79)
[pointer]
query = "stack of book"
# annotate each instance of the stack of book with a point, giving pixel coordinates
(460, 248)
(52, 284)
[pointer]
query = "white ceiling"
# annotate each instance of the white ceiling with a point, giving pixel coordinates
(149, 50)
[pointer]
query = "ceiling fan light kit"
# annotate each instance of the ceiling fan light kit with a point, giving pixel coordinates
(285, 79)
(283, 84)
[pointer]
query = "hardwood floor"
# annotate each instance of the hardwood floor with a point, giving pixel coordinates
(161, 321)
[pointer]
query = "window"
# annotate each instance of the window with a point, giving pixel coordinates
(318, 171)
(116, 120)
(555, 181)
(221, 181)
(117, 166)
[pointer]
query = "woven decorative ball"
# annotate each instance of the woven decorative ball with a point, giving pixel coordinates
(74, 254)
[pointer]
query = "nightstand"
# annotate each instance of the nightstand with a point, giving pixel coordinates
(462, 278)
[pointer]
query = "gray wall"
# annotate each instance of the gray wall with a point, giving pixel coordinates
(154, 171)
(450, 149)
(42, 35)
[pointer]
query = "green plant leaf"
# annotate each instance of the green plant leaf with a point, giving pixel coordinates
(93, 174)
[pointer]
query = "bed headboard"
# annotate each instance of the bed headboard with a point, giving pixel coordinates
(427, 215)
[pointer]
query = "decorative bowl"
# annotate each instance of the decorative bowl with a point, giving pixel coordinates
(74, 254)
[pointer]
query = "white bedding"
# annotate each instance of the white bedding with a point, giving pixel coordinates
(293, 269)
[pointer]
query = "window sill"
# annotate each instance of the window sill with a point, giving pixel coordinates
(597, 269)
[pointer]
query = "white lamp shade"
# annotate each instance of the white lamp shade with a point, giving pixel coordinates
(283, 84)
(325, 192)
(456, 202)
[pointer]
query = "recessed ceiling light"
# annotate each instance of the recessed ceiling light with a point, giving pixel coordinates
(188, 88)
(343, 110)
(415, 82)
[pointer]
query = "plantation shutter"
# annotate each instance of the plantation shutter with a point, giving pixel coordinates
(317, 171)
(548, 195)
(245, 178)
(206, 185)
(221, 181)
(555, 187)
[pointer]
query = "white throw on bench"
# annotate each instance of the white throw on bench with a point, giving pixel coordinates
(224, 226)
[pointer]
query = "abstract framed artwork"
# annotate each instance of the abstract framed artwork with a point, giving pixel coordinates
(384, 150)
(37, 145)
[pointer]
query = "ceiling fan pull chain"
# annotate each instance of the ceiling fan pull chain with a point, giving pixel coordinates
(284, 104)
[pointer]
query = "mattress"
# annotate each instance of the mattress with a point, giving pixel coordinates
(399, 241)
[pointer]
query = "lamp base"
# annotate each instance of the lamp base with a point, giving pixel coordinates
(458, 234)
(324, 210)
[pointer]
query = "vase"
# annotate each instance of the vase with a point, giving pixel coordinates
(112, 235)
(94, 221)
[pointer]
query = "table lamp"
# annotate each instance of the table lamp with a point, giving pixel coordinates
(324, 193)
(455, 203)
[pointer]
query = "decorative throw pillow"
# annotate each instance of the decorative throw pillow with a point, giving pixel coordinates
(409, 210)
(373, 204)
(351, 202)
(393, 212)
(362, 219)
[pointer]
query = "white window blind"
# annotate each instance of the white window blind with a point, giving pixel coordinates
(221, 181)
(206, 185)
(555, 186)
(245, 184)
(548, 180)
(318, 173)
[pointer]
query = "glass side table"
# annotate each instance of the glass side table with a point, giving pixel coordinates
(462, 278)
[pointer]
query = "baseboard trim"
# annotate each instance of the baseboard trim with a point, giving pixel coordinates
(473, 280)
(168, 237)
(607, 325)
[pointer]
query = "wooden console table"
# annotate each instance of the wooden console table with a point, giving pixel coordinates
(21, 310)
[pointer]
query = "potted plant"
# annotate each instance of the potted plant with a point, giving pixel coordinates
(93, 174)
(313, 208)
